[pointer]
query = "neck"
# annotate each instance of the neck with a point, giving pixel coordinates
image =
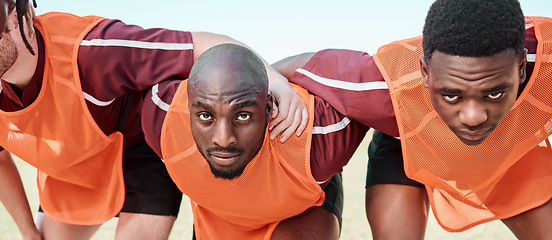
(22, 70)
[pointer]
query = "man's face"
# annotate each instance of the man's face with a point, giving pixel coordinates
(473, 94)
(228, 124)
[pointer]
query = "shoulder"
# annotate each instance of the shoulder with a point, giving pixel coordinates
(341, 65)
(116, 29)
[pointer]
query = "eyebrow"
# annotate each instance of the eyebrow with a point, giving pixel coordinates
(244, 104)
(202, 105)
(498, 88)
(450, 91)
(234, 108)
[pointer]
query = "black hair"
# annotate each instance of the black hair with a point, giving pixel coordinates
(473, 28)
(22, 8)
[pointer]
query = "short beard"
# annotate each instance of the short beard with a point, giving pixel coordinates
(229, 175)
(8, 53)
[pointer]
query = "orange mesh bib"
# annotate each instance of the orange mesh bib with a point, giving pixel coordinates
(276, 185)
(79, 168)
(507, 174)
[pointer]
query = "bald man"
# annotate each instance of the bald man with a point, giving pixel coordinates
(211, 133)
(77, 120)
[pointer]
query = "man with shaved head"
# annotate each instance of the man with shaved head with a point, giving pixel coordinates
(234, 80)
(71, 90)
(243, 185)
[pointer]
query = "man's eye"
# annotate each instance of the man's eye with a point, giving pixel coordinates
(244, 116)
(204, 116)
(495, 96)
(450, 98)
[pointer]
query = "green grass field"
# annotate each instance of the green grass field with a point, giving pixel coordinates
(355, 225)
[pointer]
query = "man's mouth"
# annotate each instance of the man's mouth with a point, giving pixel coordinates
(225, 158)
(472, 137)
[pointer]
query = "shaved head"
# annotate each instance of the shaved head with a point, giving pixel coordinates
(230, 67)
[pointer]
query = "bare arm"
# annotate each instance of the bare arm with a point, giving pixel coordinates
(291, 113)
(288, 65)
(12, 195)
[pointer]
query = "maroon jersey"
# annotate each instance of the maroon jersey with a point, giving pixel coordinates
(350, 97)
(114, 60)
(336, 136)
(351, 82)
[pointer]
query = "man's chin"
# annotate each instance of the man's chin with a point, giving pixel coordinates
(225, 175)
(472, 141)
(224, 172)
(472, 138)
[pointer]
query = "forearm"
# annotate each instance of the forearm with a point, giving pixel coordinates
(287, 66)
(13, 197)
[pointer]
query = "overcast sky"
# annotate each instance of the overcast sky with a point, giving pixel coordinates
(281, 28)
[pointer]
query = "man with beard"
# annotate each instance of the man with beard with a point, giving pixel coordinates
(241, 184)
(71, 94)
(473, 109)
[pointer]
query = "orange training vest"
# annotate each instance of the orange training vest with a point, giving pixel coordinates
(80, 177)
(277, 183)
(507, 174)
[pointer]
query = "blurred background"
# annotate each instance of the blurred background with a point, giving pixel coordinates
(278, 29)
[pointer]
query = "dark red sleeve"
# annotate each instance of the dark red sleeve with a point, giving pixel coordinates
(335, 139)
(154, 109)
(109, 72)
(350, 82)
(350, 97)
(118, 58)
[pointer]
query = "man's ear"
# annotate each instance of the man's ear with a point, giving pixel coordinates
(269, 107)
(425, 71)
(523, 67)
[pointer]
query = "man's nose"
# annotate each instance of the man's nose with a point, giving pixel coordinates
(473, 114)
(224, 134)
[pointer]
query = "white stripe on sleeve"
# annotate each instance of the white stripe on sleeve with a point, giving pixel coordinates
(137, 44)
(331, 128)
(157, 100)
(321, 182)
(531, 57)
(96, 101)
(343, 84)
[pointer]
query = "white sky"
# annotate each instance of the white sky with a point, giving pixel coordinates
(279, 28)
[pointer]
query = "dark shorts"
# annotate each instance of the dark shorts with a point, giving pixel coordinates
(148, 186)
(385, 162)
(334, 197)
